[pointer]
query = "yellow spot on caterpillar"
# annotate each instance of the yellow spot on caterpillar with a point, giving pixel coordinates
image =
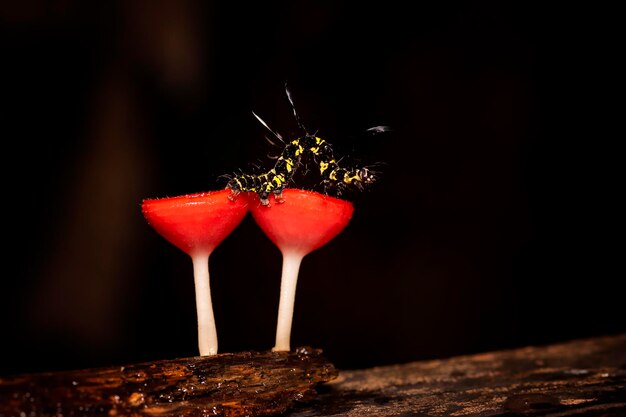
(300, 149)
(349, 179)
(278, 180)
(316, 149)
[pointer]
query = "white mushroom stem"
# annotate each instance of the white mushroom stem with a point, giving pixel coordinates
(207, 334)
(289, 279)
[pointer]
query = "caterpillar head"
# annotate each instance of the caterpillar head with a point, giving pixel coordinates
(366, 176)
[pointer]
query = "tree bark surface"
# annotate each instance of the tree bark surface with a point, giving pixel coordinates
(229, 384)
(578, 378)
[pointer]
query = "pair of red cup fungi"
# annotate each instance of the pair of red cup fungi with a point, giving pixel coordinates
(198, 223)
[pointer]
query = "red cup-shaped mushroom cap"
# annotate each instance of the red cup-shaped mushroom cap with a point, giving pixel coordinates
(304, 222)
(195, 223)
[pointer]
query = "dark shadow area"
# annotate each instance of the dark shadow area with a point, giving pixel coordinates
(492, 225)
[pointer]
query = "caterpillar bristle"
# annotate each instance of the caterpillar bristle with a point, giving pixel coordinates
(304, 152)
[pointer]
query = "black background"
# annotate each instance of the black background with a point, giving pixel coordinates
(492, 225)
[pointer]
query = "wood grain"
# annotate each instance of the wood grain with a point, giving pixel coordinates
(578, 378)
(230, 384)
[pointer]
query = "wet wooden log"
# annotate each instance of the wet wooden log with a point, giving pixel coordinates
(579, 378)
(230, 384)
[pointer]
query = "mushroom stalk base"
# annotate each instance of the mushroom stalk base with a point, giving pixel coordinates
(207, 333)
(289, 279)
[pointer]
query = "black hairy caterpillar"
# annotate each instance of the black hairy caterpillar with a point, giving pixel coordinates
(295, 153)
